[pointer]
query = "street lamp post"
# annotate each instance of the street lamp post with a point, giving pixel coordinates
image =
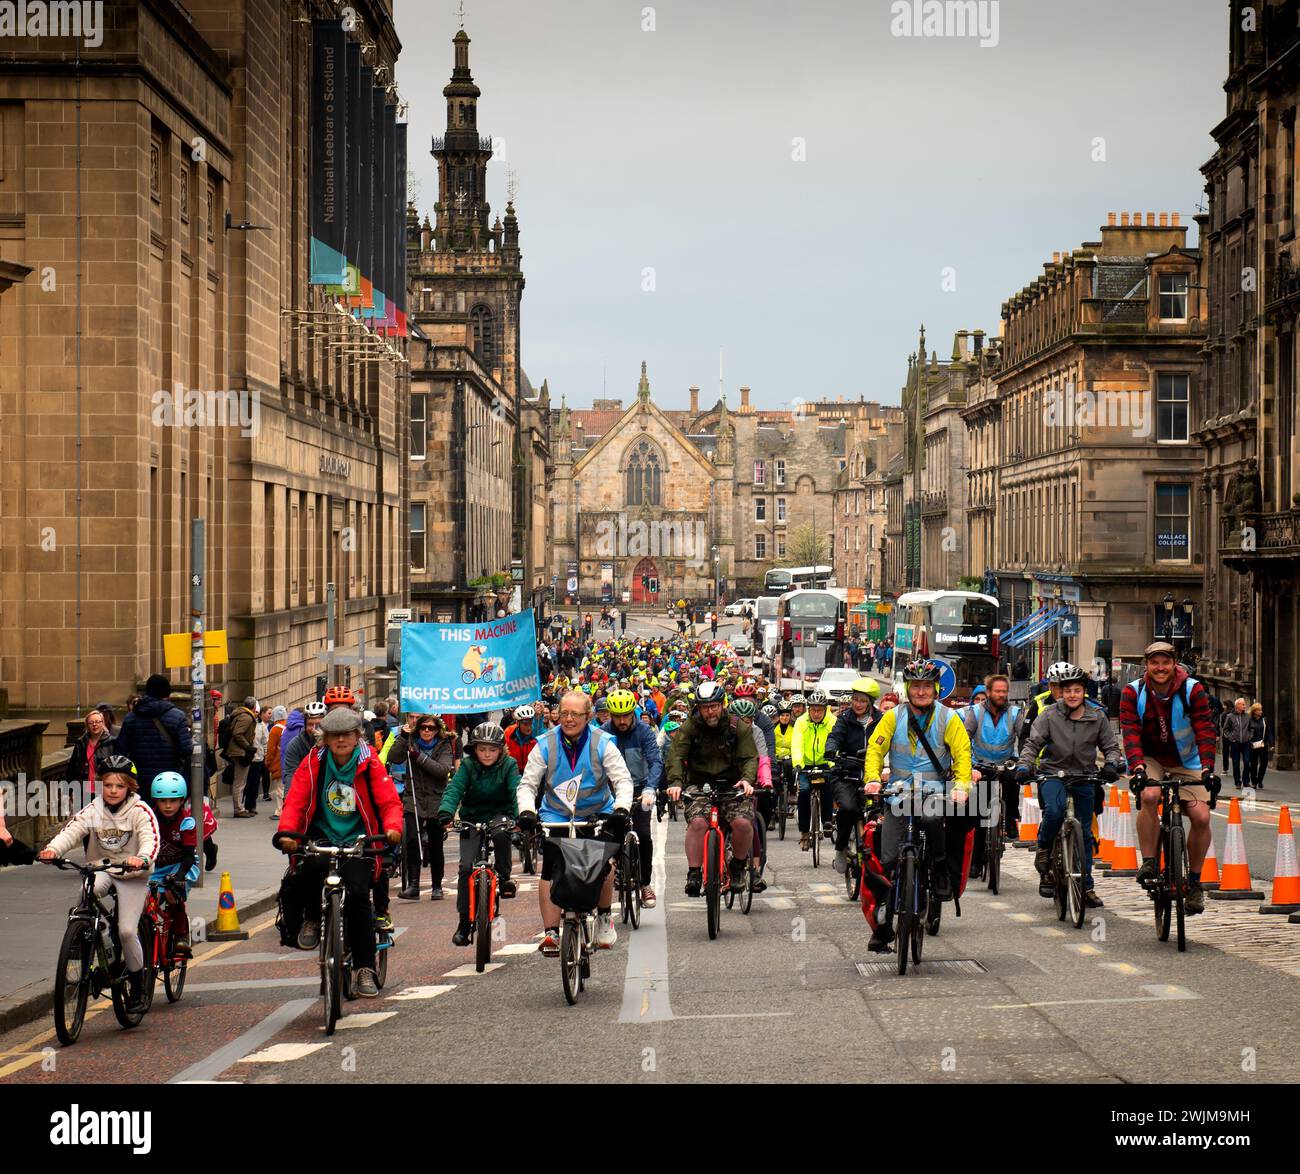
(1169, 616)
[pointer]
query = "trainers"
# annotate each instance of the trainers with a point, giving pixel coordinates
(550, 943)
(461, 936)
(364, 985)
(411, 893)
(1194, 901)
(880, 939)
(1043, 860)
(841, 862)
(508, 889)
(1092, 901)
(739, 875)
(182, 950)
(648, 898)
(606, 934)
(694, 881)
(309, 936)
(1146, 872)
(759, 883)
(436, 895)
(383, 923)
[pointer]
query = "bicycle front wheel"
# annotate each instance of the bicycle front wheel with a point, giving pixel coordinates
(72, 981)
(634, 881)
(713, 880)
(1073, 856)
(482, 919)
(570, 961)
(907, 916)
(331, 962)
(150, 943)
(815, 827)
(993, 856)
(1177, 881)
(782, 810)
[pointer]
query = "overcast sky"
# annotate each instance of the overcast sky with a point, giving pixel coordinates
(672, 150)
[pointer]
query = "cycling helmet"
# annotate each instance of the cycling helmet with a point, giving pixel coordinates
(487, 734)
(169, 785)
(783, 706)
(769, 712)
(602, 705)
(670, 725)
(817, 697)
(525, 713)
(117, 764)
(1060, 671)
(866, 685)
(921, 670)
(340, 695)
(709, 691)
(621, 701)
(743, 707)
(745, 689)
(314, 709)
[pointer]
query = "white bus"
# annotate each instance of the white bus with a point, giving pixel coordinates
(783, 579)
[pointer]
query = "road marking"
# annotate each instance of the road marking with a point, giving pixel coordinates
(777, 902)
(365, 1019)
(1158, 994)
(1122, 967)
(998, 905)
(469, 970)
(645, 981)
(1022, 917)
(517, 948)
(250, 984)
(212, 1066)
(412, 993)
(1048, 931)
(819, 887)
(281, 1053)
(741, 1015)
(835, 901)
(1083, 948)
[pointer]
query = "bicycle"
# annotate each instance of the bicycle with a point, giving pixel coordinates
(917, 907)
(484, 901)
(816, 833)
(90, 956)
(530, 850)
(1066, 865)
(577, 941)
(851, 766)
(627, 878)
(752, 869)
(335, 957)
(995, 835)
(160, 945)
(785, 777)
(1169, 889)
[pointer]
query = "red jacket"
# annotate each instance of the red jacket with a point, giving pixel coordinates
(518, 748)
(378, 803)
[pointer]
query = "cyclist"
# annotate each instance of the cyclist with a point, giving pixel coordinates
(707, 750)
(742, 713)
(1067, 736)
(123, 830)
(427, 755)
(580, 775)
(521, 734)
(1165, 721)
(306, 740)
(994, 728)
(926, 742)
(808, 749)
(340, 792)
(484, 789)
(177, 852)
(849, 736)
(639, 747)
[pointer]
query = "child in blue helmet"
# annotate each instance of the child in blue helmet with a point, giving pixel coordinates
(177, 853)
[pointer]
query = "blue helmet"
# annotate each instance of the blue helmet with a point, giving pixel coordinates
(169, 785)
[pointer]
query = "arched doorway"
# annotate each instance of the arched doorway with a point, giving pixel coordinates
(648, 571)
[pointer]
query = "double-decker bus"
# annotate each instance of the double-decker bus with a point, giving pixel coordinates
(810, 627)
(783, 579)
(959, 627)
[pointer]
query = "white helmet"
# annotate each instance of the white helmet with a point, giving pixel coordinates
(314, 709)
(525, 713)
(1063, 671)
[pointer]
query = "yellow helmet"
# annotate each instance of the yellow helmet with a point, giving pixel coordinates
(621, 701)
(867, 685)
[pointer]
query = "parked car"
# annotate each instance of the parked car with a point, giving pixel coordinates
(741, 644)
(836, 683)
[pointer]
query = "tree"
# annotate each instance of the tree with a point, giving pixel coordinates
(806, 548)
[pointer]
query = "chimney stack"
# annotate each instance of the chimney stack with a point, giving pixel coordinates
(1110, 219)
(1123, 219)
(1174, 219)
(1164, 219)
(695, 401)
(744, 399)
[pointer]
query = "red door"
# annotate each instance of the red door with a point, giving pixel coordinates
(644, 571)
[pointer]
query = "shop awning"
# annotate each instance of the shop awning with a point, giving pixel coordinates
(1033, 626)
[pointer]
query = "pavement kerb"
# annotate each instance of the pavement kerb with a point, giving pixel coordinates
(36, 1000)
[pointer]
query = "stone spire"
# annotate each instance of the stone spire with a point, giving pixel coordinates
(643, 388)
(726, 433)
(563, 434)
(462, 155)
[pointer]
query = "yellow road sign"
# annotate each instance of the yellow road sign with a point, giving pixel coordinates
(178, 648)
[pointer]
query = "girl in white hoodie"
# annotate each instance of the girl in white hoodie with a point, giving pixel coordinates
(123, 830)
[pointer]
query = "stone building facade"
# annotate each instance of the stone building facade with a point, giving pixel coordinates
(182, 235)
(860, 511)
(1248, 633)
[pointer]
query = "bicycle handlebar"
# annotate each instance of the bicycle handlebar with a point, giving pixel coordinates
(359, 847)
(90, 868)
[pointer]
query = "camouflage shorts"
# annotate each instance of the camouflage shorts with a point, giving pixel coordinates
(699, 805)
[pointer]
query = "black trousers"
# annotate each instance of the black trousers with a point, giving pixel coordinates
(469, 848)
(847, 794)
(431, 829)
(300, 897)
(645, 842)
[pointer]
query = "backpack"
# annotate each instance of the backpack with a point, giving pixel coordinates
(223, 733)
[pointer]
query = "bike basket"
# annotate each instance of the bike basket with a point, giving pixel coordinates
(578, 871)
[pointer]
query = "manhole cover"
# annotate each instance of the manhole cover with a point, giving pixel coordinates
(925, 968)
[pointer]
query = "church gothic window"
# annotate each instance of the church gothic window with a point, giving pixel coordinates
(644, 475)
(484, 336)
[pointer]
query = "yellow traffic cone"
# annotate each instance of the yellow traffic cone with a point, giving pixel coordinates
(227, 929)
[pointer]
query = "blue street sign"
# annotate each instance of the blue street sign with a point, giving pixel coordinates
(1070, 626)
(947, 677)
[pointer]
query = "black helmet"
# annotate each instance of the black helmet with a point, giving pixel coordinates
(921, 670)
(487, 734)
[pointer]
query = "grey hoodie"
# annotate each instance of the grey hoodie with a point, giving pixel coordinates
(1071, 744)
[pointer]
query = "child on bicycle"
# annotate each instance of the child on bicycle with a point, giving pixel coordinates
(122, 830)
(483, 788)
(177, 853)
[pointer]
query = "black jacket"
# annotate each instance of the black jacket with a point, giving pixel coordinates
(850, 733)
(78, 768)
(151, 749)
(427, 775)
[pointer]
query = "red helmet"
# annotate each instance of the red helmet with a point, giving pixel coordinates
(744, 689)
(340, 695)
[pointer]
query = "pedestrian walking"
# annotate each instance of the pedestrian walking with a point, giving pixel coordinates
(155, 735)
(240, 753)
(1020, 670)
(1236, 733)
(274, 761)
(622, 621)
(88, 753)
(1261, 745)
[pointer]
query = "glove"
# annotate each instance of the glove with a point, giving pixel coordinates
(445, 821)
(1110, 773)
(527, 820)
(1137, 780)
(393, 835)
(616, 824)
(1022, 775)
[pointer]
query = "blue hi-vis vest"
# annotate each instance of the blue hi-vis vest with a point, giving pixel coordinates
(906, 764)
(566, 795)
(994, 741)
(1189, 753)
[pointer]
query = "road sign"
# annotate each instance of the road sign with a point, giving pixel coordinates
(947, 677)
(573, 584)
(178, 649)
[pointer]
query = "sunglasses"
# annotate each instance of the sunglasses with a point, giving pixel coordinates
(429, 727)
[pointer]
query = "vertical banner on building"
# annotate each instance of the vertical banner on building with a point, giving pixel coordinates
(392, 202)
(378, 216)
(365, 192)
(351, 286)
(329, 156)
(399, 281)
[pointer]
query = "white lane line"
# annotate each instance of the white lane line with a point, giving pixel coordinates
(212, 1066)
(841, 900)
(410, 993)
(818, 887)
(741, 1015)
(288, 956)
(1022, 917)
(1157, 994)
(645, 982)
(366, 1019)
(776, 902)
(1048, 931)
(469, 970)
(253, 984)
(517, 948)
(281, 1053)
(1122, 967)
(1085, 949)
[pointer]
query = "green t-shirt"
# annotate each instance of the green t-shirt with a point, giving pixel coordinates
(337, 818)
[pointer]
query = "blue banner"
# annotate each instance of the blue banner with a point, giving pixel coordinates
(469, 668)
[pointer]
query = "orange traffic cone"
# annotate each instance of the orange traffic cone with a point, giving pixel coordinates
(1124, 859)
(1030, 814)
(1107, 849)
(1235, 885)
(227, 929)
(1286, 870)
(1210, 868)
